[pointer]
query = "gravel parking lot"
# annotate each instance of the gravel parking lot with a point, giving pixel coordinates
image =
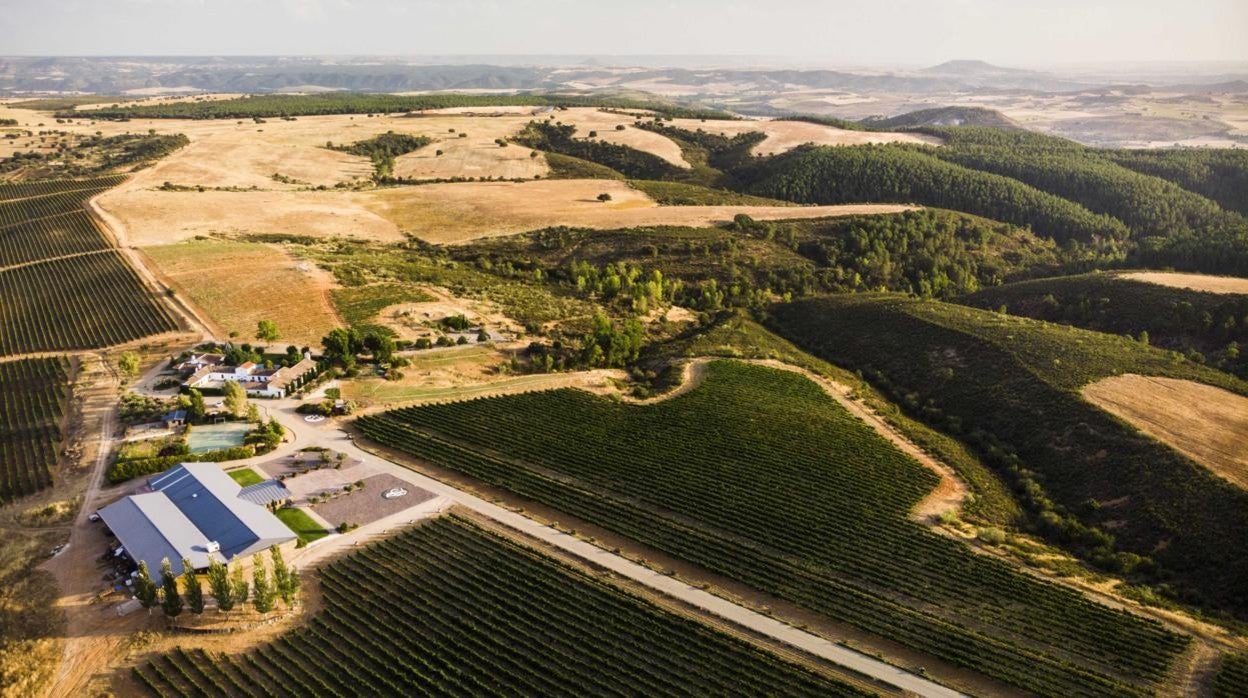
(366, 504)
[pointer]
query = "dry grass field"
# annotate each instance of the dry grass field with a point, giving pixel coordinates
(783, 136)
(438, 213)
(1208, 424)
(452, 213)
(604, 123)
(151, 217)
(1194, 282)
(238, 284)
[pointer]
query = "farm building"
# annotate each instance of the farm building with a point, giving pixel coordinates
(257, 380)
(193, 511)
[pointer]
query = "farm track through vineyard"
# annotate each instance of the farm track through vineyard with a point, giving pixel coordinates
(827, 529)
(447, 608)
(64, 286)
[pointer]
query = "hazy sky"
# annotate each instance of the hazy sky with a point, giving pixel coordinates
(1013, 32)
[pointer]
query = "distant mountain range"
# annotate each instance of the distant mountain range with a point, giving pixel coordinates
(122, 75)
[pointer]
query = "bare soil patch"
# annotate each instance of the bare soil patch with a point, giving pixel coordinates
(1207, 424)
(1194, 282)
(237, 284)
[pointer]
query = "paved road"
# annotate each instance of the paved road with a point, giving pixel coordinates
(328, 434)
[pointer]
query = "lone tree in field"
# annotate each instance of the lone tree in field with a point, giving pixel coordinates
(235, 398)
(145, 588)
(604, 197)
(266, 330)
(263, 595)
(171, 599)
(128, 364)
(219, 585)
(194, 592)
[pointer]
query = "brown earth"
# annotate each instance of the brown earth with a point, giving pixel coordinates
(237, 284)
(1208, 424)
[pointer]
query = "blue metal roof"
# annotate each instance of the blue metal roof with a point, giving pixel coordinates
(189, 507)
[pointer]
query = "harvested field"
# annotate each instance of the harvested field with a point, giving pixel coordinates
(1195, 282)
(452, 382)
(604, 123)
(1208, 424)
(783, 136)
(474, 155)
(157, 218)
(453, 213)
(238, 284)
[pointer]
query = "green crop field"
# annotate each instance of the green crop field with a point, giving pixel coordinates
(759, 476)
(447, 608)
(33, 393)
(83, 302)
(1009, 387)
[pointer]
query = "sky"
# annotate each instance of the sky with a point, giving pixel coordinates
(1022, 33)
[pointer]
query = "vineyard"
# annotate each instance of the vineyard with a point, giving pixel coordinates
(19, 210)
(21, 190)
(33, 393)
(82, 302)
(759, 476)
(62, 234)
(1009, 387)
(64, 288)
(449, 609)
(1232, 678)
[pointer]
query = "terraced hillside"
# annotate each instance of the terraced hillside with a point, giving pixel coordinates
(449, 609)
(761, 477)
(63, 285)
(33, 393)
(1009, 386)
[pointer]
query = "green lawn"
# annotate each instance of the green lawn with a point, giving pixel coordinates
(298, 521)
(245, 477)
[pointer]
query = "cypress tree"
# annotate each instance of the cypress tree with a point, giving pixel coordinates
(145, 588)
(171, 600)
(219, 584)
(263, 594)
(238, 586)
(194, 592)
